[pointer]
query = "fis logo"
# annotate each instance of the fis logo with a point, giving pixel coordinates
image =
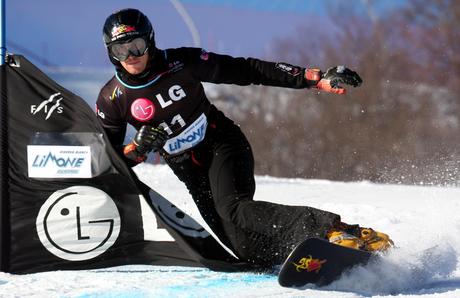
(49, 106)
(115, 93)
(309, 264)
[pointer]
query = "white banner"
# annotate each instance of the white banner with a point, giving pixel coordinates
(59, 161)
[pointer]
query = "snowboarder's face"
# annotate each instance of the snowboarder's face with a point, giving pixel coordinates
(135, 65)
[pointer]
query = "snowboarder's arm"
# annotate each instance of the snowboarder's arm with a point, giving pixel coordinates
(215, 68)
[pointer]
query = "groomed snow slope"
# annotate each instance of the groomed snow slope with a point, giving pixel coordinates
(424, 222)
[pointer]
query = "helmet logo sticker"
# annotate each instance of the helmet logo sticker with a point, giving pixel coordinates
(142, 109)
(122, 29)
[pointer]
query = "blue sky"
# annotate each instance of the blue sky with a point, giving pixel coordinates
(68, 33)
(297, 6)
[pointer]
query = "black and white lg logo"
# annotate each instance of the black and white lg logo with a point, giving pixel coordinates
(78, 223)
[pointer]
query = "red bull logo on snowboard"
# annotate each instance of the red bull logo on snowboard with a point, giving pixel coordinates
(309, 264)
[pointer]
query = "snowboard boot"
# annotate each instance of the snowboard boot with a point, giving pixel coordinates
(354, 236)
(344, 239)
(375, 241)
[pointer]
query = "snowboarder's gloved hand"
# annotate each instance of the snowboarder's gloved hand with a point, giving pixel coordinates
(147, 139)
(330, 80)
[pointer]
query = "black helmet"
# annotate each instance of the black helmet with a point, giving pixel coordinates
(125, 25)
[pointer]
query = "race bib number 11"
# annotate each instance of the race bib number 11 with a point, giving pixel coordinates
(190, 137)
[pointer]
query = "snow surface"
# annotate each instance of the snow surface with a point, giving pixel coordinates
(423, 221)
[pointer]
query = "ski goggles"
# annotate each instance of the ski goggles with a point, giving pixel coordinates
(135, 47)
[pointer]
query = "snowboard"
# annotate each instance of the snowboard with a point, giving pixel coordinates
(319, 262)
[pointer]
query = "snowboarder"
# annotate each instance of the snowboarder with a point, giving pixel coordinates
(160, 93)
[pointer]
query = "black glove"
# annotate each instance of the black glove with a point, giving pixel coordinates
(147, 139)
(330, 80)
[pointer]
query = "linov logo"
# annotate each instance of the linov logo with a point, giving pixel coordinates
(78, 223)
(49, 106)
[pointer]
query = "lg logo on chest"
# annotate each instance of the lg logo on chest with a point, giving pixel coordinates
(175, 93)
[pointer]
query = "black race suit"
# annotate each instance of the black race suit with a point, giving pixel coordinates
(207, 151)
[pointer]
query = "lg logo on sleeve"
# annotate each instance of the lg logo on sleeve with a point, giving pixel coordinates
(78, 223)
